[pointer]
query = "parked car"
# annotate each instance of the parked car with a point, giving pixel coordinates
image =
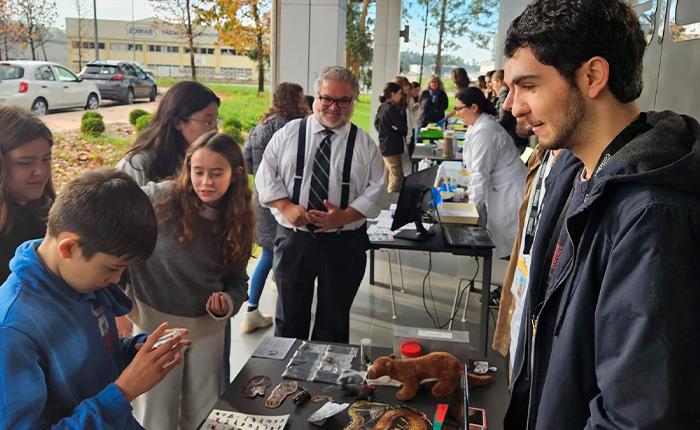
(42, 85)
(123, 81)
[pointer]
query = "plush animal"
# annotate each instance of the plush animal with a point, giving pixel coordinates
(445, 367)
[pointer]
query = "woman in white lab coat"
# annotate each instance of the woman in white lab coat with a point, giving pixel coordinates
(497, 175)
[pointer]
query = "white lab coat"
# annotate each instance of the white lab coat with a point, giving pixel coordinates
(496, 179)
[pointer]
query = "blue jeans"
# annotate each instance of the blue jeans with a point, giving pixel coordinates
(257, 283)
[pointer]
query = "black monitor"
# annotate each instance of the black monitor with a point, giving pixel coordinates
(414, 199)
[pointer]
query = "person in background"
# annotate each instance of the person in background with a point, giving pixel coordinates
(462, 82)
(489, 92)
(391, 126)
(505, 117)
(460, 78)
(433, 102)
(26, 191)
(288, 103)
(62, 363)
(481, 83)
(497, 175)
(410, 110)
(196, 277)
(186, 111)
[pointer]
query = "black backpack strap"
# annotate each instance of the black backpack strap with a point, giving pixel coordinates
(301, 150)
(349, 151)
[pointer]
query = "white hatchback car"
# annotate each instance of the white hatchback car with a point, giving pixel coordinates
(41, 85)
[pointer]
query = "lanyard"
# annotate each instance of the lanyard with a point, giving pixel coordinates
(637, 127)
(535, 207)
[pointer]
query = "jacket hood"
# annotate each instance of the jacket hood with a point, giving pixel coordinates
(668, 154)
(31, 271)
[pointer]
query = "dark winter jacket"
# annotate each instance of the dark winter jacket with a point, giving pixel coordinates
(615, 345)
(392, 129)
(26, 225)
(432, 111)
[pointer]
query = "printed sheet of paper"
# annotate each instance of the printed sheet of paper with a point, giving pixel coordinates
(275, 348)
(225, 420)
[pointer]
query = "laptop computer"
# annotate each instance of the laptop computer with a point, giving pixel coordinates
(463, 235)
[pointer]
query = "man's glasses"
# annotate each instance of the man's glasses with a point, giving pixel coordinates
(209, 123)
(342, 103)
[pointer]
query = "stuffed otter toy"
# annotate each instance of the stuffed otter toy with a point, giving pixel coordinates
(444, 367)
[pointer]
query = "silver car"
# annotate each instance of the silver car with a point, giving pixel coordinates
(123, 81)
(41, 86)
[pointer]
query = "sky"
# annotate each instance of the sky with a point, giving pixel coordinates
(122, 10)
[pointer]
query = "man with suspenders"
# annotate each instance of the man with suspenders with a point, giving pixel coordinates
(322, 177)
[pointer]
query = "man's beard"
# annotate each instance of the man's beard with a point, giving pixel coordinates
(340, 122)
(572, 116)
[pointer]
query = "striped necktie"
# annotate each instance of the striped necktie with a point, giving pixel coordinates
(318, 192)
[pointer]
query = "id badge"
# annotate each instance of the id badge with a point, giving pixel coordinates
(520, 277)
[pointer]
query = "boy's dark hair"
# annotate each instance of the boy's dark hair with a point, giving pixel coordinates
(109, 212)
(564, 34)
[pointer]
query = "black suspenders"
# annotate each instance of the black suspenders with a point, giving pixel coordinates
(347, 166)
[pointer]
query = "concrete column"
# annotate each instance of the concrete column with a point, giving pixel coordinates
(385, 58)
(307, 35)
(510, 9)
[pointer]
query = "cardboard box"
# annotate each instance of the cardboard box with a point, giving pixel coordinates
(458, 213)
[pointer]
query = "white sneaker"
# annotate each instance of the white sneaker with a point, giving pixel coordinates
(254, 320)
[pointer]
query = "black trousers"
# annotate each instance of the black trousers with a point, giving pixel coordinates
(337, 261)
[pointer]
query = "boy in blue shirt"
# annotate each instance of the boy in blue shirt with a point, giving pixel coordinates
(62, 363)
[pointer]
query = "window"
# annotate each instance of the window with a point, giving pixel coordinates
(155, 48)
(65, 75)
(684, 20)
(137, 47)
(88, 45)
(97, 69)
(8, 72)
(228, 51)
(44, 73)
(172, 49)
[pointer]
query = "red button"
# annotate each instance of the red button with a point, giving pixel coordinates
(410, 350)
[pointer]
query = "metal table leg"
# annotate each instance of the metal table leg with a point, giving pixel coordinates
(371, 266)
(398, 252)
(485, 295)
(391, 288)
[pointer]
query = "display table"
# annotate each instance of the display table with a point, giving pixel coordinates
(432, 153)
(436, 243)
(493, 397)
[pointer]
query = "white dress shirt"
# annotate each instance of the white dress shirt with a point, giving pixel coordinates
(275, 177)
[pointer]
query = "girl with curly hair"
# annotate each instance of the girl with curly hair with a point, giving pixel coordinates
(196, 277)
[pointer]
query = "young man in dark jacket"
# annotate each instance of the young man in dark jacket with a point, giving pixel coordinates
(612, 308)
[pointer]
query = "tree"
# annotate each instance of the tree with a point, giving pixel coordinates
(34, 20)
(8, 28)
(358, 37)
(179, 16)
(455, 19)
(244, 25)
(81, 8)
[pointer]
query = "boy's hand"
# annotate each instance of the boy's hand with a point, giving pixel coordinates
(150, 366)
(217, 305)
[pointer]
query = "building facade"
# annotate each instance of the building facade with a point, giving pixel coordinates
(159, 46)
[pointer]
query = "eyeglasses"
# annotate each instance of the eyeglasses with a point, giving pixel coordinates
(209, 123)
(459, 108)
(342, 103)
